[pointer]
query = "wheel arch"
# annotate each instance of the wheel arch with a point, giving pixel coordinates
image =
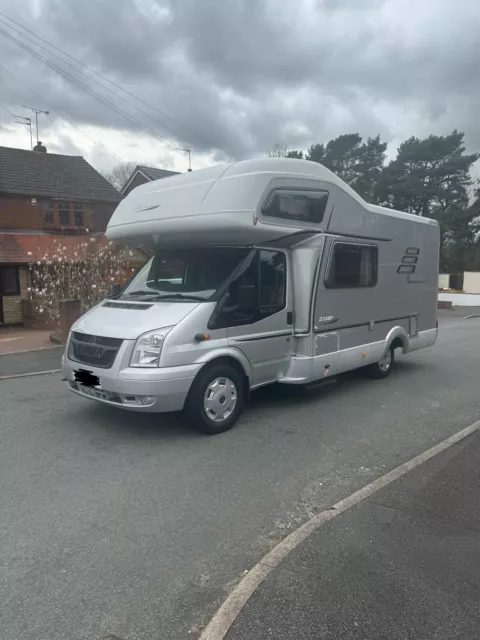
(397, 338)
(234, 358)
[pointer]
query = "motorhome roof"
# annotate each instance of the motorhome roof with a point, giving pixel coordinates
(220, 200)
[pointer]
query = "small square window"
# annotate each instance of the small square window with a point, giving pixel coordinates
(352, 266)
(300, 206)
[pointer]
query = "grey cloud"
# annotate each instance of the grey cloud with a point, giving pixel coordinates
(242, 75)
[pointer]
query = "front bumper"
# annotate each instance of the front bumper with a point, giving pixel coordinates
(136, 389)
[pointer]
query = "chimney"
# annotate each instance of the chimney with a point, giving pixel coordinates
(40, 148)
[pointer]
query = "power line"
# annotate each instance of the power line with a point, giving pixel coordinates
(7, 110)
(67, 75)
(99, 97)
(102, 99)
(105, 78)
(72, 124)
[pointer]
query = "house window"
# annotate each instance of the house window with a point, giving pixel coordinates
(48, 216)
(352, 266)
(64, 214)
(9, 281)
(302, 206)
(79, 215)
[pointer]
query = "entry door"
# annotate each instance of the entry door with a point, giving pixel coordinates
(264, 331)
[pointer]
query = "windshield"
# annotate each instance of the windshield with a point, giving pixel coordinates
(189, 274)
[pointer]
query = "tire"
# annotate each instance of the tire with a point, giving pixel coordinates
(383, 367)
(216, 399)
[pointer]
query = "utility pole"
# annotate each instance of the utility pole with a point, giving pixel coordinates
(36, 112)
(28, 123)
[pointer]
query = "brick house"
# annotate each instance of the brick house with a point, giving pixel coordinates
(44, 197)
(142, 175)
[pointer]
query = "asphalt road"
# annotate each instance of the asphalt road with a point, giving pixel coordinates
(115, 525)
(14, 364)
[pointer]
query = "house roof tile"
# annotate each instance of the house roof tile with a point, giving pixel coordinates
(153, 173)
(52, 175)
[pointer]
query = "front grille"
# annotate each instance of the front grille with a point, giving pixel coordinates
(96, 351)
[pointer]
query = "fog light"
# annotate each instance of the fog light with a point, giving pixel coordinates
(148, 399)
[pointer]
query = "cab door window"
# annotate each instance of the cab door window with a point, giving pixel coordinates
(259, 292)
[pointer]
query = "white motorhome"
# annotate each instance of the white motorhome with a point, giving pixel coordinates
(268, 270)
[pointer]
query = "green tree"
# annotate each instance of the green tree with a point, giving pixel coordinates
(358, 163)
(280, 150)
(369, 167)
(316, 153)
(431, 177)
(342, 156)
(294, 153)
(428, 176)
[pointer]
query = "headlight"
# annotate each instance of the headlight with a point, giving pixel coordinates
(148, 348)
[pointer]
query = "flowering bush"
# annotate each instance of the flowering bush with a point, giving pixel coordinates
(85, 272)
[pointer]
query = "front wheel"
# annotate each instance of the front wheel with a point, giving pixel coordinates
(216, 399)
(383, 367)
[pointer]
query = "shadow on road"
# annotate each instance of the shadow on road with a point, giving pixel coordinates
(146, 426)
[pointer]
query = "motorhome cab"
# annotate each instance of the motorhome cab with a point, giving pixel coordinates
(269, 270)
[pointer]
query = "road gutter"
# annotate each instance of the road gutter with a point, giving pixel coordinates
(33, 373)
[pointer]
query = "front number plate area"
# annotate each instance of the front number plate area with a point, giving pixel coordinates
(91, 392)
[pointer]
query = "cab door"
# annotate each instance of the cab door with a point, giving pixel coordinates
(260, 323)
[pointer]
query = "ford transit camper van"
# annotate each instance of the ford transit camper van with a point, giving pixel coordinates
(266, 270)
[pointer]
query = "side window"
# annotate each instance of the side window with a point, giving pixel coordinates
(259, 292)
(352, 266)
(272, 281)
(302, 206)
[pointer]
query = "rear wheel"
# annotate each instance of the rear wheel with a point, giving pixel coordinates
(383, 367)
(216, 399)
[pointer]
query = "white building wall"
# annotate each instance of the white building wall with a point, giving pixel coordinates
(471, 282)
(443, 280)
(460, 299)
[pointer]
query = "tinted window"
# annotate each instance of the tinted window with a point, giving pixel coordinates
(303, 206)
(198, 271)
(352, 266)
(272, 282)
(9, 283)
(259, 292)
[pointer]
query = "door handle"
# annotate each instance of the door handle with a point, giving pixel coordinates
(289, 317)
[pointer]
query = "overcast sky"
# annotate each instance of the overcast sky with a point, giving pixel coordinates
(233, 77)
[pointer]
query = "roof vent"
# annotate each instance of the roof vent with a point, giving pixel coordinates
(40, 148)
